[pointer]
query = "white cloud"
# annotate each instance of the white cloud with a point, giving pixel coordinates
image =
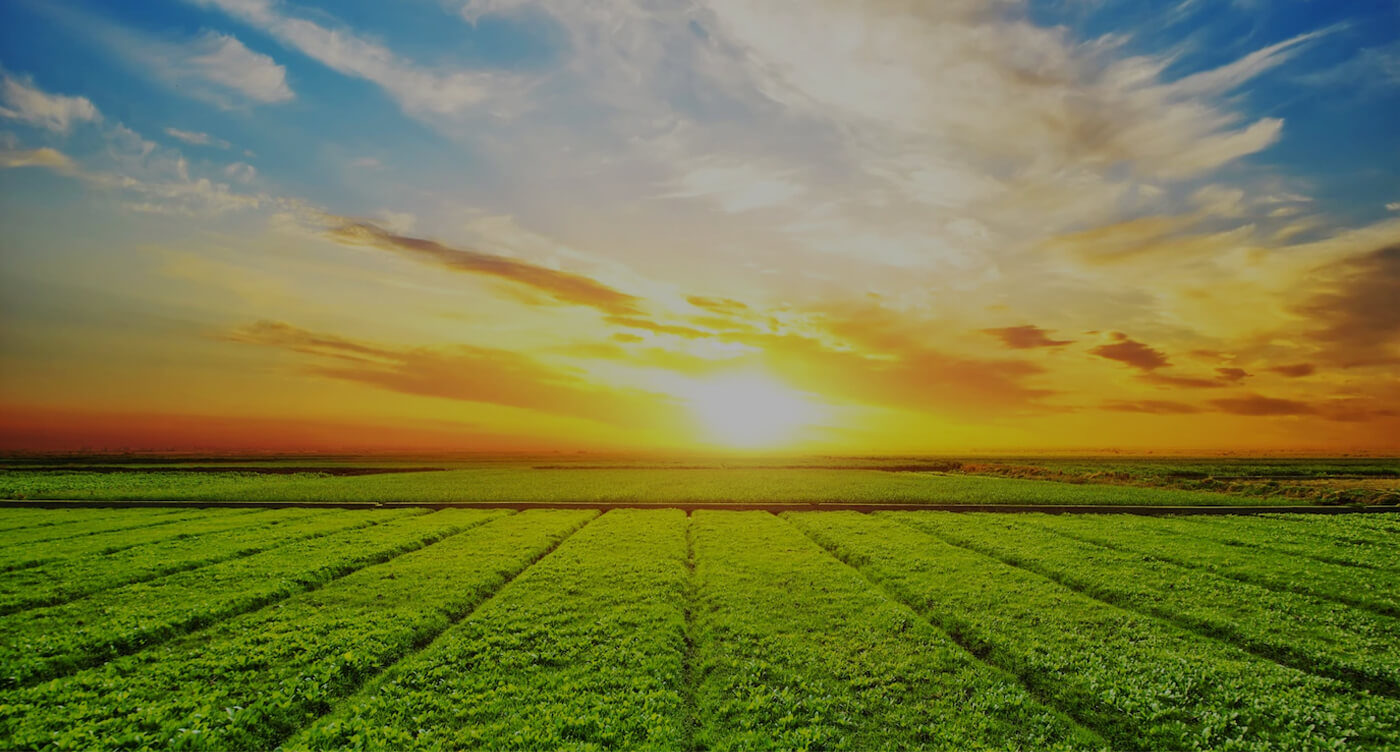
(224, 61)
(195, 138)
(1393, 206)
(56, 112)
(738, 187)
(211, 66)
(418, 90)
(241, 171)
(43, 157)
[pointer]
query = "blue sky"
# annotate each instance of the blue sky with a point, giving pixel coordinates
(913, 184)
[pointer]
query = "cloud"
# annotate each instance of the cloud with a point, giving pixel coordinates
(1232, 374)
(979, 77)
(1181, 382)
(1153, 407)
(1132, 352)
(717, 305)
(737, 188)
(196, 139)
(563, 287)
(212, 66)
(416, 89)
(223, 61)
(241, 171)
(646, 324)
(1295, 370)
(26, 103)
(1026, 337)
(460, 372)
(1356, 315)
(1257, 405)
(42, 157)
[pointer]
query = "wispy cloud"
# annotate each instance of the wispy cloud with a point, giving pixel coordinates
(419, 90)
(1133, 353)
(195, 138)
(460, 372)
(28, 104)
(563, 287)
(1026, 337)
(212, 66)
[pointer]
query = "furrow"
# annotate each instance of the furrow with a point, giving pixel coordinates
(1317, 636)
(1144, 683)
(66, 580)
(50, 642)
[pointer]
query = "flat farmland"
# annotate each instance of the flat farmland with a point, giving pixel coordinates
(307, 629)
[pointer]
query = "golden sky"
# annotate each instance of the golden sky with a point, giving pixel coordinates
(856, 228)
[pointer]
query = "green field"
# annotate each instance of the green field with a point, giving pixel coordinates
(1097, 481)
(650, 629)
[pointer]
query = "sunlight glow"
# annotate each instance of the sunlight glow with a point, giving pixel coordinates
(751, 410)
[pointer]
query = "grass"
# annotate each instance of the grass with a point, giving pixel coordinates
(651, 629)
(646, 485)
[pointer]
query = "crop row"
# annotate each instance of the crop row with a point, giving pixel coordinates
(1142, 683)
(1357, 549)
(46, 642)
(250, 681)
(114, 535)
(14, 519)
(1377, 590)
(65, 579)
(1315, 635)
(1371, 529)
(795, 650)
(585, 650)
(28, 546)
(724, 630)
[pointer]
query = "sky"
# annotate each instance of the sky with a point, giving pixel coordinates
(881, 227)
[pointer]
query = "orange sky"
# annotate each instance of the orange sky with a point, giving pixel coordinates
(854, 230)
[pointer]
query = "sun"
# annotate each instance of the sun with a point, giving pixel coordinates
(751, 410)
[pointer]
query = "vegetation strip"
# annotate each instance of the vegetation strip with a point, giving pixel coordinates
(798, 651)
(24, 548)
(738, 506)
(583, 651)
(1310, 634)
(48, 642)
(77, 576)
(263, 675)
(14, 519)
(1143, 683)
(1270, 535)
(1362, 530)
(1377, 590)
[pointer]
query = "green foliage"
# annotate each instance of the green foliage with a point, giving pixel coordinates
(1316, 635)
(46, 642)
(230, 630)
(651, 485)
(47, 524)
(101, 533)
(584, 651)
(1142, 683)
(798, 651)
(1377, 590)
(186, 546)
(1346, 544)
(280, 668)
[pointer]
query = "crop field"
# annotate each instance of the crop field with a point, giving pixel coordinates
(807, 480)
(311, 629)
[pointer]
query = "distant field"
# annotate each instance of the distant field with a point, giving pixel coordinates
(650, 629)
(1053, 481)
(599, 484)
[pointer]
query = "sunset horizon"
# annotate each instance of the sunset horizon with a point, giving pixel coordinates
(849, 229)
